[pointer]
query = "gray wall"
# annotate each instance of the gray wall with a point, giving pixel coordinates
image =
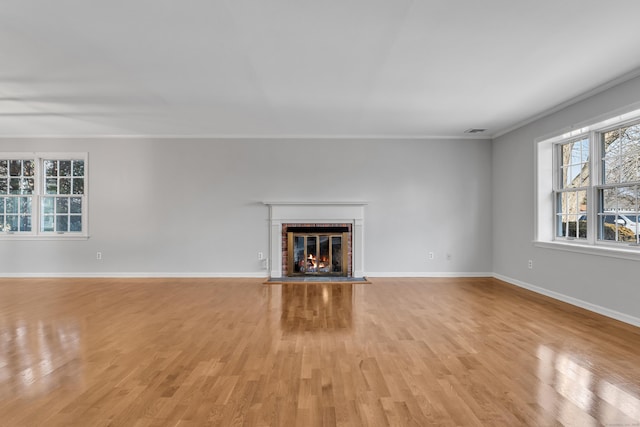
(148, 217)
(607, 285)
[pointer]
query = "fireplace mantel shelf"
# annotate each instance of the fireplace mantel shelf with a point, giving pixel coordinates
(271, 203)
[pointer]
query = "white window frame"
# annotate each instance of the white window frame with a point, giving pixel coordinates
(39, 192)
(547, 170)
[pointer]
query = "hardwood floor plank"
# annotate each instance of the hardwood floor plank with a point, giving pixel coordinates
(221, 352)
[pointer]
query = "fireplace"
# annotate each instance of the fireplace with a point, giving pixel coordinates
(338, 226)
(316, 249)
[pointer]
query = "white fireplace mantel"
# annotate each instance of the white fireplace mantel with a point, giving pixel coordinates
(316, 212)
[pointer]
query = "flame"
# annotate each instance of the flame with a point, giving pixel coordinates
(312, 259)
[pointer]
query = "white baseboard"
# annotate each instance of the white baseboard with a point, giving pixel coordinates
(428, 274)
(228, 275)
(573, 301)
(134, 275)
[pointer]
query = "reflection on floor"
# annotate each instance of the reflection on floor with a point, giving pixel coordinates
(316, 307)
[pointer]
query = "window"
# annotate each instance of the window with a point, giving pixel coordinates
(43, 195)
(618, 194)
(588, 188)
(571, 189)
(17, 185)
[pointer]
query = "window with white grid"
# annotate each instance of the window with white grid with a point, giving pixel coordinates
(43, 195)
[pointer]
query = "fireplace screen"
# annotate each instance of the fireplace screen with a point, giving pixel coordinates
(317, 253)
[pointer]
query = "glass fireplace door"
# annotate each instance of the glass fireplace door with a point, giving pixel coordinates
(316, 254)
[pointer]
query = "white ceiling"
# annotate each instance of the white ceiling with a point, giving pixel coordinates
(286, 68)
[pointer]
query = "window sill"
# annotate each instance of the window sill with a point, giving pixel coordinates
(12, 236)
(630, 253)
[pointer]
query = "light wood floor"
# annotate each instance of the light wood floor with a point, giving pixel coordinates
(421, 352)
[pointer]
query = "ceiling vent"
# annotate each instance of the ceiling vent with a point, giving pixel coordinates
(474, 130)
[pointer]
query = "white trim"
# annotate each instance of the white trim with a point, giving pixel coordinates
(548, 112)
(69, 235)
(599, 250)
(134, 275)
(274, 137)
(635, 321)
(429, 274)
(341, 203)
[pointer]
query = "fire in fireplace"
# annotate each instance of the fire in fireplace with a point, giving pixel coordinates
(321, 251)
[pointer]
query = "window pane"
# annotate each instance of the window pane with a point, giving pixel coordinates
(52, 185)
(28, 168)
(64, 186)
(65, 168)
(609, 200)
(51, 167)
(75, 223)
(581, 198)
(571, 215)
(12, 205)
(584, 150)
(621, 151)
(617, 219)
(76, 205)
(14, 185)
(47, 223)
(25, 223)
(78, 168)
(15, 167)
(620, 199)
(572, 226)
(12, 222)
(609, 143)
(626, 199)
(575, 164)
(4, 185)
(48, 205)
(27, 185)
(4, 168)
(25, 205)
(78, 186)
(617, 228)
(62, 223)
(2, 202)
(62, 205)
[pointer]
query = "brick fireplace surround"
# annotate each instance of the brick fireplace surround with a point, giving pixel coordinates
(286, 215)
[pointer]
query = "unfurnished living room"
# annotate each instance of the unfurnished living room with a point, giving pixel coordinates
(319, 213)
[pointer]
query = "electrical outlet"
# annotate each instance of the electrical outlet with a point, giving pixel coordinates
(530, 264)
(431, 255)
(260, 256)
(99, 256)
